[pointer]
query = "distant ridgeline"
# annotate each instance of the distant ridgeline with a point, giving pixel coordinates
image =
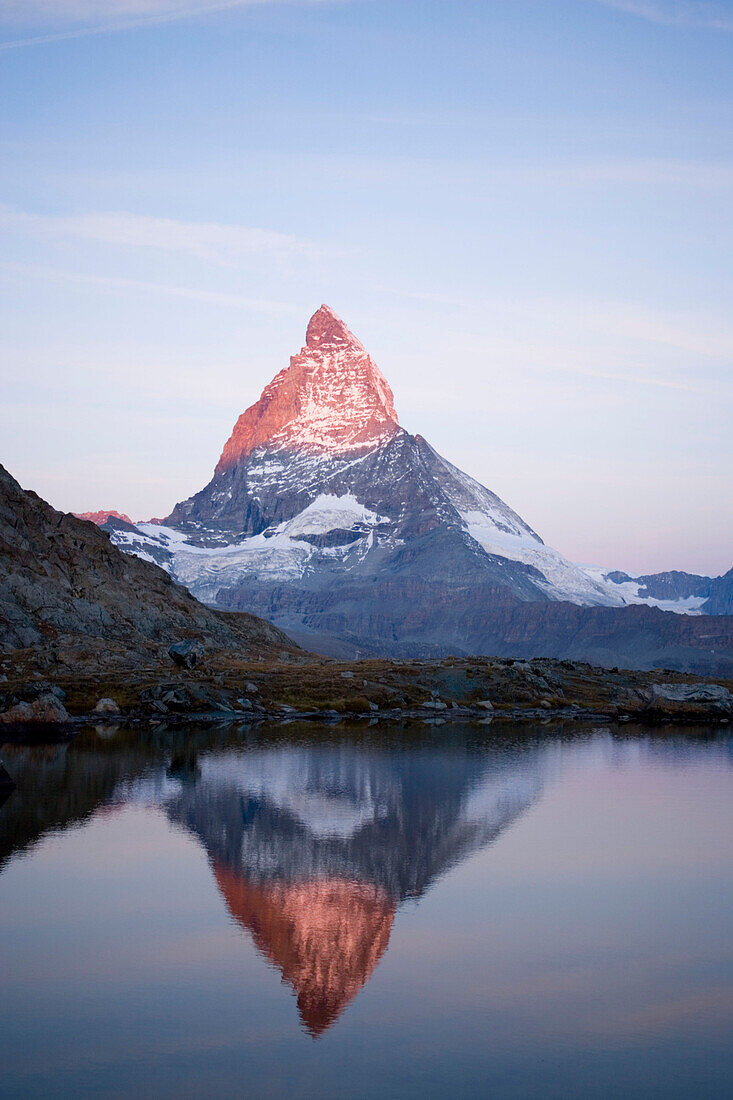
(329, 519)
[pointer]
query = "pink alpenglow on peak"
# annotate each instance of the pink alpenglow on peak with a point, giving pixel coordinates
(102, 517)
(332, 399)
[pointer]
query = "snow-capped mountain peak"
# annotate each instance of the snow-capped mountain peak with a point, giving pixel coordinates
(332, 399)
(327, 517)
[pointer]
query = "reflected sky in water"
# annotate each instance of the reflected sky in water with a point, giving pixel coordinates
(450, 912)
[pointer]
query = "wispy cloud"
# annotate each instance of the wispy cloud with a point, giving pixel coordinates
(67, 19)
(194, 294)
(683, 13)
(212, 242)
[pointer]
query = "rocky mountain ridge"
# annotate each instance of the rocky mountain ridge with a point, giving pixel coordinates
(102, 517)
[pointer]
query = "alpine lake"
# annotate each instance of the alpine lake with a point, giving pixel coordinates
(509, 910)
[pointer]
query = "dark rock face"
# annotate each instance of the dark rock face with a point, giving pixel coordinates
(720, 601)
(674, 585)
(405, 617)
(404, 481)
(416, 496)
(62, 582)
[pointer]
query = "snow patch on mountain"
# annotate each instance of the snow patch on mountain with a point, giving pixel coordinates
(283, 552)
(563, 579)
(206, 570)
(501, 532)
(329, 512)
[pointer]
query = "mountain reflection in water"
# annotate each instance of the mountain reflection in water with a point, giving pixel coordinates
(313, 846)
(315, 849)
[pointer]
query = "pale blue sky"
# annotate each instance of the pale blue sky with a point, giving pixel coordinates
(522, 207)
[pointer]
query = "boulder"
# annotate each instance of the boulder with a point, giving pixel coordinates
(47, 709)
(106, 706)
(675, 702)
(186, 654)
(695, 700)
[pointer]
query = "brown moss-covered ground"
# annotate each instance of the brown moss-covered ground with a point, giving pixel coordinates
(312, 684)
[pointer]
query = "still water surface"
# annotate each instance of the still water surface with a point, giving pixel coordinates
(444, 913)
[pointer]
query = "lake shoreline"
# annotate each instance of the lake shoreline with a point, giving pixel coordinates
(303, 688)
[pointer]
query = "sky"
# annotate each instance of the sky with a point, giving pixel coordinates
(523, 208)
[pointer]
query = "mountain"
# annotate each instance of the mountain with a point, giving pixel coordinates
(64, 589)
(673, 590)
(318, 477)
(327, 517)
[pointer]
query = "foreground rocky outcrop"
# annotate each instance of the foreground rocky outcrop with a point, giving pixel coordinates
(69, 598)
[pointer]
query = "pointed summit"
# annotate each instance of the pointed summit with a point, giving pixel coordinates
(326, 328)
(332, 399)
